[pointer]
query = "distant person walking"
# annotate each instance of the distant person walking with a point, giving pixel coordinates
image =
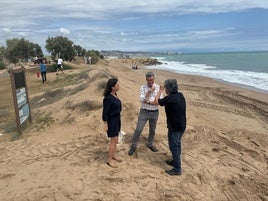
(112, 118)
(148, 112)
(43, 70)
(59, 65)
(175, 108)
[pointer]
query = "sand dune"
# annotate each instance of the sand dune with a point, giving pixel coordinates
(224, 154)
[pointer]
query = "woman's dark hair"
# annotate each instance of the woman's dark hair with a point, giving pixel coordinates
(111, 83)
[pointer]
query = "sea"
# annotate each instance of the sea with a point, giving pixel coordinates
(247, 69)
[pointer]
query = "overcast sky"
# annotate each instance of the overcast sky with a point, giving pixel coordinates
(140, 25)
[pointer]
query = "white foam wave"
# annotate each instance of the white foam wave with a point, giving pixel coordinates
(248, 78)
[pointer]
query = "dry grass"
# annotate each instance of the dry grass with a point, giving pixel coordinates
(57, 88)
(7, 113)
(62, 86)
(83, 106)
(41, 120)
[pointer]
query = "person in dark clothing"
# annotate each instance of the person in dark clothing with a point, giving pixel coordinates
(111, 115)
(43, 70)
(175, 109)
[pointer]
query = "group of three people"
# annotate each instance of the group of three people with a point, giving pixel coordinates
(150, 97)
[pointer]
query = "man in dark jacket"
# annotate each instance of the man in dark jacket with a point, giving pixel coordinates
(175, 108)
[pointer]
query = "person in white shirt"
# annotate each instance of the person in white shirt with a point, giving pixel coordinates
(148, 112)
(59, 65)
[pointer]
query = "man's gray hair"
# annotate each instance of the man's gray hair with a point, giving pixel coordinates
(171, 85)
(149, 74)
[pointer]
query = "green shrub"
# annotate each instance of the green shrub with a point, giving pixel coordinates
(83, 75)
(53, 67)
(77, 89)
(84, 106)
(2, 65)
(102, 85)
(43, 120)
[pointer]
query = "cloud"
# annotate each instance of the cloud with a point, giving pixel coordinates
(22, 34)
(103, 9)
(124, 25)
(64, 31)
(6, 30)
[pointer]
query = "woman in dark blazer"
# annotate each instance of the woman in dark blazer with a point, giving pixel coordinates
(112, 118)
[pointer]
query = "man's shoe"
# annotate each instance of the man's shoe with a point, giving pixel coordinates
(173, 172)
(131, 151)
(153, 149)
(170, 162)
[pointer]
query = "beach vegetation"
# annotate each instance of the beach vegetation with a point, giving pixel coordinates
(94, 55)
(63, 47)
(84, 106)
(77, 89)
(2, 57)
(59, 89)
(79, 51)
(83, 75)
(42, 120)
(69, 119)
(102, 84)
(60, 47)
(89, 105)
(2, 65)
(19, 49)
(53, 67)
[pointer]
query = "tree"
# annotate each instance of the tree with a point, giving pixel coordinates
(22, 49)
(83, 53)
(94, 56)
(79, 51)
(60, 46)
(2, 53)
(37, 51)
(2, 57)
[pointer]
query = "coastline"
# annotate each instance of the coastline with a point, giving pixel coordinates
(244, 86)
(248, 68)
(224, 153)
(231, 84)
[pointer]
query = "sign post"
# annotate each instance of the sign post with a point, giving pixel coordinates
(20, 96)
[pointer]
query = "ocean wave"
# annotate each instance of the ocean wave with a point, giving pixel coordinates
(253, 79)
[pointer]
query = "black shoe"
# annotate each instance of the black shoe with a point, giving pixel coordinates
(170, 162)
(153, 149)
(131, 151)
(173, 172)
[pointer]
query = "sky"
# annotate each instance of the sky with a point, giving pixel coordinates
(140, 25)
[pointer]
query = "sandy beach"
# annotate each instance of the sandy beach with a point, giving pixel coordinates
(224, 148)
